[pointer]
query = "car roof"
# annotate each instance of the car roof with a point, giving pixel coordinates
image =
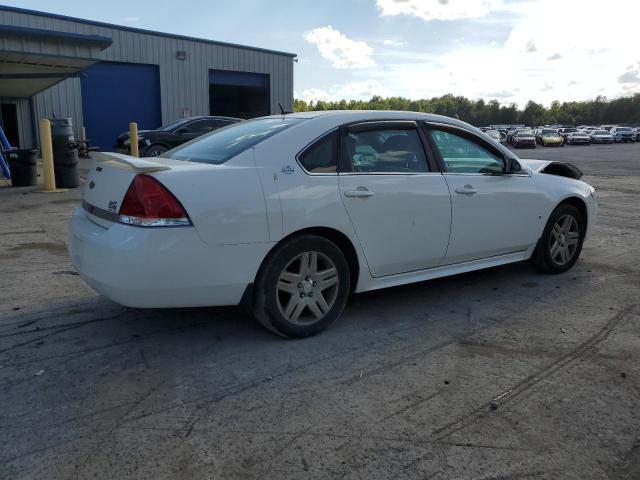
(364, 115)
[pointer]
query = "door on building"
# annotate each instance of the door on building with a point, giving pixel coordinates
(239, 94)
(114, 94)
(9, 122)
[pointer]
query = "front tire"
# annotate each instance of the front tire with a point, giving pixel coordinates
(561, 242)
(302, 288)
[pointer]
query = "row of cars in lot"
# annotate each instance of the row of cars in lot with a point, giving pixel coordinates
(560, 135)
(152, 143)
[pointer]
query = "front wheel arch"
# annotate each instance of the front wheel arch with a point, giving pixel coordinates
(540, 258)
(580, 204)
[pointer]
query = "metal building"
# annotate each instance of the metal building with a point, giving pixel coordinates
(105, 76)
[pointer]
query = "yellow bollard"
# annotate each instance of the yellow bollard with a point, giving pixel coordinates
(46, 148)
(133, 139)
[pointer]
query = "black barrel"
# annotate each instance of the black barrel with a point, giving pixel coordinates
(65, 158)
(24, 167)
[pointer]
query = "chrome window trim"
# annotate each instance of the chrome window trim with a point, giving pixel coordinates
(411, 174)
(489, 174)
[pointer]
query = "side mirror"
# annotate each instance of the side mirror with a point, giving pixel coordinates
(181, 130)
(512, 166)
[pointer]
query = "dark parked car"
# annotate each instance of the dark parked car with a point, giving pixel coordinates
(523, 138)
(511, 133)
(152, 143)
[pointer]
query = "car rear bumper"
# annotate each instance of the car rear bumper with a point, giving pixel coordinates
(160, 267)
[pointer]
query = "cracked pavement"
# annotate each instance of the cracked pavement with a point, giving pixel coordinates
(498, 374)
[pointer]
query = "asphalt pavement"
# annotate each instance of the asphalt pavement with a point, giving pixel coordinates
(498, 374)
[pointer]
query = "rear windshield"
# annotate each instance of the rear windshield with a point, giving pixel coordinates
(219, 146)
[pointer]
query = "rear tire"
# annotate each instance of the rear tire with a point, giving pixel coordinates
(154, 150)
(302, 288)
(561, 242)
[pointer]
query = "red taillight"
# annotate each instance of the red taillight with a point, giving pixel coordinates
(148, 203)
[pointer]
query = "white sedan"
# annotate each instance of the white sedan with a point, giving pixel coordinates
(289, 214)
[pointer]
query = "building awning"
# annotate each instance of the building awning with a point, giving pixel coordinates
(32, 60)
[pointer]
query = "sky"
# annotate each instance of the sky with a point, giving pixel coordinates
(509, 50)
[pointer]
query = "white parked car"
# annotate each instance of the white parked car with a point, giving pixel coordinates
(290, 214)
(601, 136)
(623, 134)
(495, 134)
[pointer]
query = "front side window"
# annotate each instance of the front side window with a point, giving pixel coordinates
(461, 155)
(394, 150)
(322, 155)
(220, 145)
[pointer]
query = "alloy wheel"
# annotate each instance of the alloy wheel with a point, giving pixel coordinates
(563, 241)
(307, 288)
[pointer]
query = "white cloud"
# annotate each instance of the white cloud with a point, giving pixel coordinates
(630, 75)
(393, 43)
(131, 19)
(363, 90)
(439, 9)
(359, 90)
(315, 95)
(339, 49)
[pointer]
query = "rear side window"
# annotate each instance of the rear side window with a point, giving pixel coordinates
(322, 155)
(385, 150)
(219, 146)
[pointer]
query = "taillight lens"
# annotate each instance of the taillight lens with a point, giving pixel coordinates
(148, 203)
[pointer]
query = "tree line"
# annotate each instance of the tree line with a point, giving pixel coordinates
(481, 113)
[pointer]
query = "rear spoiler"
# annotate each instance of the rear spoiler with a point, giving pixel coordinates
(127, 162)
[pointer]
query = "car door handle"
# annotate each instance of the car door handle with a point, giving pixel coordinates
(466, 190)
(361, 192)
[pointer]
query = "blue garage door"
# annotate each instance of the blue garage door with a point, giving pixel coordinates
(114, 94)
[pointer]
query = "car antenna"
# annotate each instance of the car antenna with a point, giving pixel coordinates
(282, 110)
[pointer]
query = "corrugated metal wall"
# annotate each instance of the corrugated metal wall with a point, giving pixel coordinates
(183, 83)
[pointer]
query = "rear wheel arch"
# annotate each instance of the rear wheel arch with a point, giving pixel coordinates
(336, 237)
